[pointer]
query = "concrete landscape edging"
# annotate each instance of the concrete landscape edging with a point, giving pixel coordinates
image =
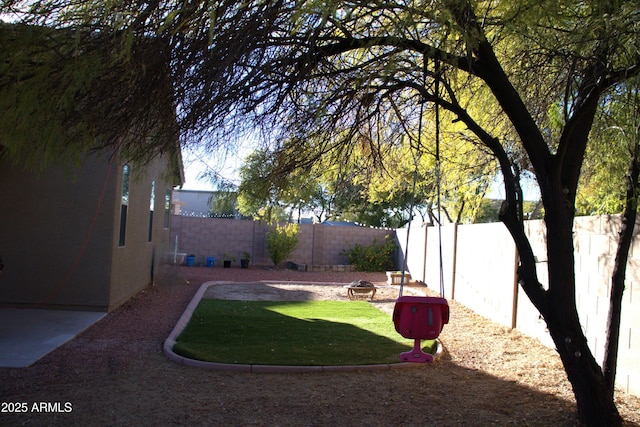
(230, 367)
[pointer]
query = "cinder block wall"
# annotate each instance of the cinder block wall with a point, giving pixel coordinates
(213, 237)
(484, 276)
(596, 240)
(479, 271)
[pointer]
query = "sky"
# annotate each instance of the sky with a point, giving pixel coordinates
(530, 189)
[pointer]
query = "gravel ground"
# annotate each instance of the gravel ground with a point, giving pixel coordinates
(115, 374)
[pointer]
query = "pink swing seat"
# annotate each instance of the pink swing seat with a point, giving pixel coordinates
(420, 318)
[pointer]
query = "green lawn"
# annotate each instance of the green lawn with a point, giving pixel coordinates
(307, 333)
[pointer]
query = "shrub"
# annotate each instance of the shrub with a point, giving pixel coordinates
(374, 257)
(281, 241)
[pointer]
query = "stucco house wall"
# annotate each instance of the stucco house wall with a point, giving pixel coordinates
(193, 202)
(135, 263)
(60, 234)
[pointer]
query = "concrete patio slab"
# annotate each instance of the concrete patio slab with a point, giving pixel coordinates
(26, 335)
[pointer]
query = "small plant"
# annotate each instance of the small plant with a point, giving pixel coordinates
(229, 257)
(374, 257)
(244, 261)
(281, 241)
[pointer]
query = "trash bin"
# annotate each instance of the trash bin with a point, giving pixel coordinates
(211, 261)
(191, 260)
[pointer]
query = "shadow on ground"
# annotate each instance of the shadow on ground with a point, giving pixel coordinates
(115, 374)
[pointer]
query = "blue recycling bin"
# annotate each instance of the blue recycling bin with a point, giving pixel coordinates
(211, 261)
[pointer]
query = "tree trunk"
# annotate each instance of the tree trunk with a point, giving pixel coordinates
(557, 175)
(558, 307)
(595, 405)
(619, 272)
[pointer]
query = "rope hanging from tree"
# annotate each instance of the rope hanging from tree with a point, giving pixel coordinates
(416, 162)
(437, 173)
(417, 317)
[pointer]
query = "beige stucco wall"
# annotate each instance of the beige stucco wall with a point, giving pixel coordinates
(59, 235)
(134, 262)
(56, 234)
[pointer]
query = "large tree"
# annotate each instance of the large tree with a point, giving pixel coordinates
(329, 76)
(328, 190)
(264, 194)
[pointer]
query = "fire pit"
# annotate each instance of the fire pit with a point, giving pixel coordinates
(361, 287)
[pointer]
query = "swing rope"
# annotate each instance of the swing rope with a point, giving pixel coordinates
(413, 200)
(437, 173)
(416, 162)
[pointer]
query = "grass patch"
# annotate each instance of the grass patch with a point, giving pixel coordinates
(302, 333)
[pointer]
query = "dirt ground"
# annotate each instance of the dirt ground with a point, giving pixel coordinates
(115, 374)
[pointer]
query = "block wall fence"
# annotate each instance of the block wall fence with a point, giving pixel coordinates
(479, 266)
(319, 245)
(479, 269)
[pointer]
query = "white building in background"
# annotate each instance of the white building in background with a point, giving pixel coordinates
(197, 203)
(192, 202)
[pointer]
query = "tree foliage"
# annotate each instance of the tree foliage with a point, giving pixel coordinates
(378, 195)
(335, 78)
(257, 195)
(281, 242)
(378, 256)
(64, 92)
(615, 133)
(267, 195)
(222, 204)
